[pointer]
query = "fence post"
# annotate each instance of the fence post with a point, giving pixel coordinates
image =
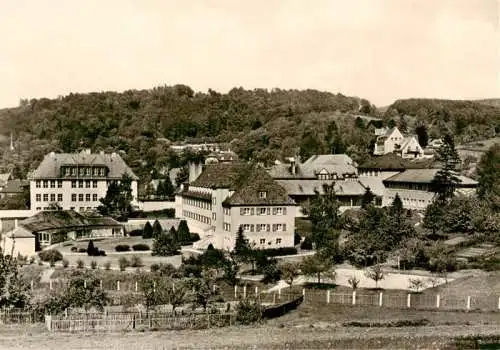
(50, 284)
(214, 287)
(84, 283)
(438, 300)
(100, 284)
(354, 297)
(328, 296)
(468, 302)
(380, 299)
(244, 291)
(304, 293)
(256, 291)
(235, 292)
(133, 321)
(408, 300)
(279, 296)
(32, 285)
(117, 285)
(66, 312)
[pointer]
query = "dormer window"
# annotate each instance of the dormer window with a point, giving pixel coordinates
(262, 194)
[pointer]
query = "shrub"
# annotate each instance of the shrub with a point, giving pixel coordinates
(135, 261)
(296, 238)
(194, 237)
(82, 250)
(307, 244)
(74, 249)
(92, 250)
(107, 265)
(155, 267)
(248, 312)
(51, 255)
(147, 231)
(65, 263)
(140, 247)
(102, 253)
(280, 251)
(122, 248)
(135, 233)
(80, 264)
(52, 263)
(123, 263)
(93, 264)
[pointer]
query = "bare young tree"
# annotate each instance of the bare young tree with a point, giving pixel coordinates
(375, 273)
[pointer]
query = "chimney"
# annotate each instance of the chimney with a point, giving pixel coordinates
(294, 166)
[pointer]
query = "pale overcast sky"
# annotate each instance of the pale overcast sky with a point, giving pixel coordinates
(377, 49)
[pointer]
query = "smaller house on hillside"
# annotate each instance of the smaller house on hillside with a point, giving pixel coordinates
(19, 241)
(393, 141)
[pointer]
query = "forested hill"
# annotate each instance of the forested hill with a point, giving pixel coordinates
(467, 120)
(495, 102)
(260, 124)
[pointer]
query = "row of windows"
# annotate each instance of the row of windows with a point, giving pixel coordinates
(72, 208)
(410, 186)
(263, 241)
(49, 197)
(197, 217)
(81, 182)
(198, 203)
(46, 183)
(334, 176)
(83, 171)
(412, 200)
(263, 227)
(263, 211)
(81, 197)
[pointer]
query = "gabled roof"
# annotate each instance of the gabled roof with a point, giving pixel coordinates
(51, 164)
(4, 178)
(14, 186)
(425, 176)
(257, 180)
(65, 219)
(308, 187)
(20, 232)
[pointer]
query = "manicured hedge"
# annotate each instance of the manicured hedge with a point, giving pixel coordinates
(51, 255)
(140, 247)
(122, 248)
(280, 251)
(281, 309)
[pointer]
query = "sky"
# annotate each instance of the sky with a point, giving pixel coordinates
(381, 50)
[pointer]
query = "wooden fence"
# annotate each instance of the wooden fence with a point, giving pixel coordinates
(105, 322)
(419, 301)
(20, 317)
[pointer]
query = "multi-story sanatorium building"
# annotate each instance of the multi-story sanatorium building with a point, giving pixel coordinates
(76, 180)
(227, 196)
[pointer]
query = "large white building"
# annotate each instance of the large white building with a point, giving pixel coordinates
(76, 180)
(227, 196)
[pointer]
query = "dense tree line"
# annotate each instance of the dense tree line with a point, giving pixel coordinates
(260, 124)
(467, 120)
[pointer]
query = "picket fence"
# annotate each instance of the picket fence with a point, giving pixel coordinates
(106, 322)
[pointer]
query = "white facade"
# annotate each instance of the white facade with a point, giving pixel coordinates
(393, 141)
(76, 181)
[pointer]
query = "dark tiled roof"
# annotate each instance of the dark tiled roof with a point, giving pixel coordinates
(51, 164)
(339, 164)
(257, 181)
(308, 187)
(196, 194)
(14, 186)
(222, 175)
(392, 161)
(424, 176)
(60, 219)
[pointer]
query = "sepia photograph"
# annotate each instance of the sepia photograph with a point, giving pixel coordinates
(266, 174)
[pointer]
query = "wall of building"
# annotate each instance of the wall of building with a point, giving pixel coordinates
(416, 199)
(10, 218)
(22, 246)
(156, 205)
(263, 239)
(87, 192)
